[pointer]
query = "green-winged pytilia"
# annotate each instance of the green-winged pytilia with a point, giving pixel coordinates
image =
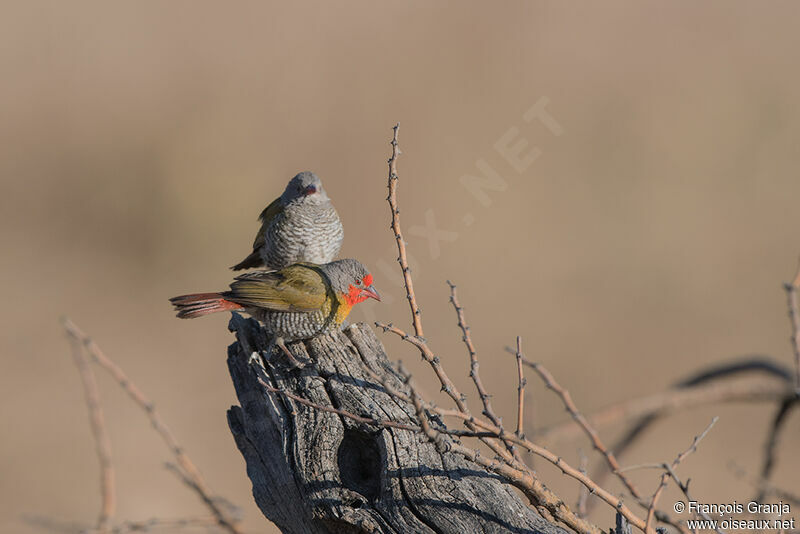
(293, 303)
(299, 226)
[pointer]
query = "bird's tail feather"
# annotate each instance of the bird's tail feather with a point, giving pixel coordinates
(199, 304)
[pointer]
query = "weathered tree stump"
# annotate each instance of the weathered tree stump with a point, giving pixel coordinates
(318, 472)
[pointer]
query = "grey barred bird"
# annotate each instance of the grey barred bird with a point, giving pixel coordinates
(299, 226)
(293, 303)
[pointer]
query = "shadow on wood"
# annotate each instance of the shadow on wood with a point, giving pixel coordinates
(317, 472)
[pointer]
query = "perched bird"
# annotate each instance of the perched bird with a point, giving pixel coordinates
(293, 303)
(299, 226)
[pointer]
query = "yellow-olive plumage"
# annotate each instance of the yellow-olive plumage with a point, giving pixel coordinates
(296, 302)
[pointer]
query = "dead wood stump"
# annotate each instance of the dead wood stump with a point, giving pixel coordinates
(318, 472)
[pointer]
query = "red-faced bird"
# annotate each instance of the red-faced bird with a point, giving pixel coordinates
(293, 303)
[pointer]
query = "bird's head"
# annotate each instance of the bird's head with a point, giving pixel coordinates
(304, 187)
(351, 281)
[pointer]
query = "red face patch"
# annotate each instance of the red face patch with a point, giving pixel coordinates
(354, 296)
(368, 280)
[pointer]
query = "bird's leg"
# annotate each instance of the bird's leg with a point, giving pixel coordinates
(295, 363)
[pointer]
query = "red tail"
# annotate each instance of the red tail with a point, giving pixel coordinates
(199, 304)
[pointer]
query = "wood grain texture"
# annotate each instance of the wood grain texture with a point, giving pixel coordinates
(318, 472)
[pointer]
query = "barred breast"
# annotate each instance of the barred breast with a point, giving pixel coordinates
(293, 326)
(303, 233)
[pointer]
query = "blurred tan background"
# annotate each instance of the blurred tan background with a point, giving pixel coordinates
(140, 140)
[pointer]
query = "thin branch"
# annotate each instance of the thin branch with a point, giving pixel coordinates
(427, 354)
(474, 373)
(791, 289)
(583, 494)
(755, 389)
(667, 473)
(771, 445)
(398, 235)
(738, 380)
(522, 381)
(190, 471)
(569, 404)
(149, 525)
(102, 442)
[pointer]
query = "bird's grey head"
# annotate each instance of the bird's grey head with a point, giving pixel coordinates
(304, 187)
(350, 277)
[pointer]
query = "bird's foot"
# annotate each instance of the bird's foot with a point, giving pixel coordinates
(294, 363)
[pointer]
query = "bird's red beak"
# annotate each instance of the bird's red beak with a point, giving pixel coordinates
(310, 190)
(371, 292)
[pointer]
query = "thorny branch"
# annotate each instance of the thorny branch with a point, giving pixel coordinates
(791, 289)
(753, 389)
(474, 373)
(166, 525)
(771, 445)
(188, 471)
(670, 472)
(522, 381)
(102, 442)
(578, 417)
(398, 235)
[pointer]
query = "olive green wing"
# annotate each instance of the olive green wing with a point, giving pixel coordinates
(254, 260)
(299, 287)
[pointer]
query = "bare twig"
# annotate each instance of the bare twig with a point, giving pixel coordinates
(522, 381)
(771, 445)
(102, 442)
(754, 389)
(583, 494)
(569, 404)
(427, 354)
(739, 376)
(158, 524)
(474, 373)
(791, 289)
(398, 235)
(669, 470)
(188, 468)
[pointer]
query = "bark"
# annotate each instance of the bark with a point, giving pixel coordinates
(317, 472)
